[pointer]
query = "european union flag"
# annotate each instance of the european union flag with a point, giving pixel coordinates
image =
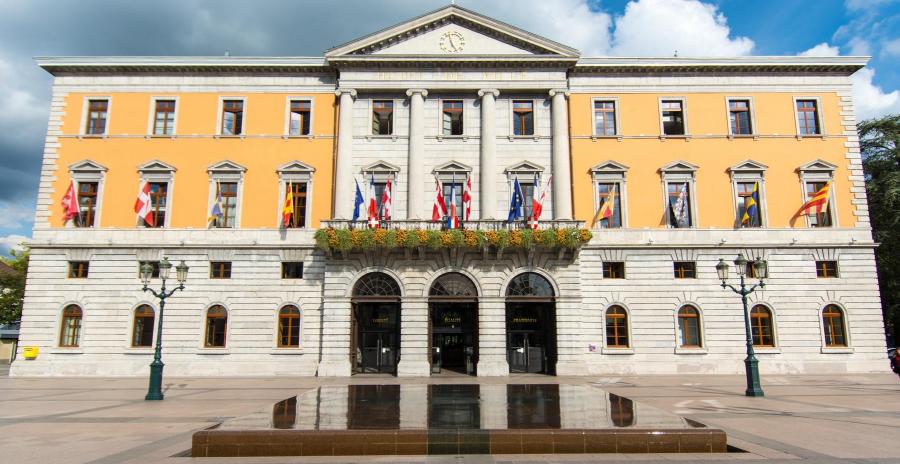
(515, 203)
(357, 202)
(751, 207)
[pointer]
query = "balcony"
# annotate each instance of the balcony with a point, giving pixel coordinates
(416, 236)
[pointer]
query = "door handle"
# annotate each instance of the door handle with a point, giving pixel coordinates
(520, 350)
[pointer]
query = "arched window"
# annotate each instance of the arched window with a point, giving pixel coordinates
(833, 324)
(621, 411)
(70, 331)
(216, 322)
(142, 330)
(376, 284)
(289, 327)
(529, 284)
(453, 285)
(616, 327)
(689, 327)
(761, 326)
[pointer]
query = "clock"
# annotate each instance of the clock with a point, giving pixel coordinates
(452, 42)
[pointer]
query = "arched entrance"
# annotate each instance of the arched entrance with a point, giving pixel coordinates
(375, 324)
(531, 324)
(453, 324)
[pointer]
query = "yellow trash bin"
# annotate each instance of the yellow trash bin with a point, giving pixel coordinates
(30, 352)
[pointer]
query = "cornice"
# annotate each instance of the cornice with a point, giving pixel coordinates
(845, 65)
(59, 65)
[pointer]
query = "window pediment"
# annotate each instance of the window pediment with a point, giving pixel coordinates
(226, 167)
(87, 167)
(381, 167)
(609, 167)
(452, 166)
(818, 165)
(679, 167)
(156, 167)
(295, 167)
(748, 166)
(524, 167)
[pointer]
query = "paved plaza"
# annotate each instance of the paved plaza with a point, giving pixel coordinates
(105, 420)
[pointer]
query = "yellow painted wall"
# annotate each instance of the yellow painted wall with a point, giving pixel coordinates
(707, 115)
(197, 114)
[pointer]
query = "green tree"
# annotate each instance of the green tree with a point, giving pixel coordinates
(881, 161)
(12, 287)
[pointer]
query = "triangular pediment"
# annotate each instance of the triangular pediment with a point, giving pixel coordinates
(524, 166)
(817, 165)
(295, 167)
(156, 166)
(226, 166)
(452, 31)
(609, 166)
(748, 165)
(381, 166)
(679, 166)
(87, 166)
(453, 166)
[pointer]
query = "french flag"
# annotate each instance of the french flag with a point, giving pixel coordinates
(453, 218)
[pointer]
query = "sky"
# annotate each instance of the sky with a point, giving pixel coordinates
(30, 28)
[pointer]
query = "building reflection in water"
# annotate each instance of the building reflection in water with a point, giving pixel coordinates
(513, 406)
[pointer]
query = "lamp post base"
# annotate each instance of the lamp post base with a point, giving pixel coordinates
(154, 393)
(753, 386)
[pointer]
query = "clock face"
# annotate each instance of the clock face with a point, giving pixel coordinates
(452, 42)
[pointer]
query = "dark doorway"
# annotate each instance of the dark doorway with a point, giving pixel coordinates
(375, 325)
(531, 325)
(532, 406)
(453, 324)
(372, 407)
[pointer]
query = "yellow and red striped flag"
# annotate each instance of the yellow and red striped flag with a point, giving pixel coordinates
(819, 200)
(288, 210)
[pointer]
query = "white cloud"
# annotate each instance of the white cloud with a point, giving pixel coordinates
(861, 5)
(870, 100)
(11, 242)
(891, 48)
(15, 215)
(859, 47)
(823, 49)
(660, 27)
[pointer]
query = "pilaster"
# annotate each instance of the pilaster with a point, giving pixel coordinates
(416, 160)
(344, 189)
(561, 167)
(414, 343)
(487, 184)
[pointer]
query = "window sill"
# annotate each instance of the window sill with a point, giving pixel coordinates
(62, 350)
(286, 351)
(138, 351)
(93, 136)
(534, 137)
(698, 350)
(288, 137)
(837, 350)
(213, 351)
(382, 137)
(221, 136)
(441, 138)
(618, 351)
(684, 137)
(160, 136)
(617, 137)
(811, 136)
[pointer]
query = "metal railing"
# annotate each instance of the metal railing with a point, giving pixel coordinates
(413, 224)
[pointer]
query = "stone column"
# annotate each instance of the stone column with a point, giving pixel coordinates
(415, 346)
(415, 169)
(487, 163)
(344, 188)
(562, 169)
(492, 337)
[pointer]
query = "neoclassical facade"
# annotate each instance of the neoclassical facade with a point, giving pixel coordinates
(647, 170)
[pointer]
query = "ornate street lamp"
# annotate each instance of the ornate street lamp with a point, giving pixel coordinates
(760, 268)
(156, 367)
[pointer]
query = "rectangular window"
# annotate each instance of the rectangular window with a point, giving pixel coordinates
(300, 117)
(610, 204)
(808, 117)
(604, 118)
(739, 117)
(613, 270)
(685, 269)
(229, 202)
(679, 205)
(673, 117)
(78, 269)
(87, 204)
(448, 186)
(382, 117)
(826, 269)
(298, 196)
(97, 113)
(749, 204)
(523, 117)
(159, 192)
(292, 270)
(452, 117)
(232, 117)
(824, 218)
(220, 270)
(154, 264)
(164, 117)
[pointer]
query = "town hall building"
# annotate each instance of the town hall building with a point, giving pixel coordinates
(452, 194)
